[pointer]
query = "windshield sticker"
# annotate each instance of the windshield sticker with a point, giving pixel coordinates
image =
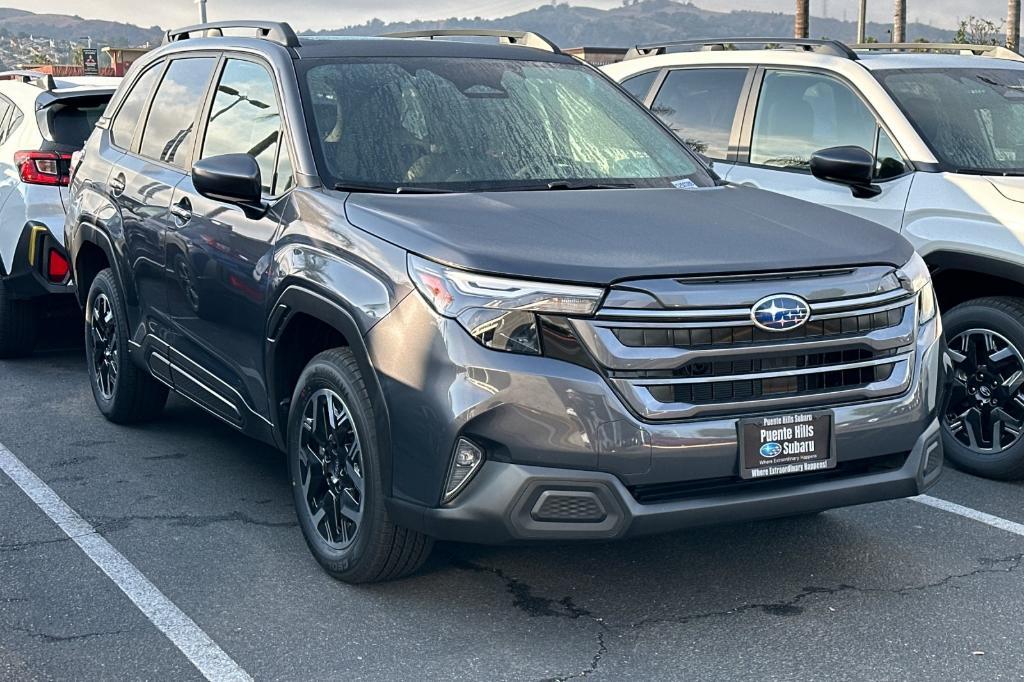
(685, 183)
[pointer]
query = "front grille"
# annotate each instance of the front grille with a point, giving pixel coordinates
(682, 363)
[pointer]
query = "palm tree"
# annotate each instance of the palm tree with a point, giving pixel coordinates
(899, 22)
(1013, 25)
(800, 27)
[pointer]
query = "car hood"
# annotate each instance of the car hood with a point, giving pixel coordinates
(1010, 187)
(603, 236)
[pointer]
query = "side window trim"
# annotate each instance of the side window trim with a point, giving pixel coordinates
(736, 132)
(144, 119)
(747, 134)
(211, 95)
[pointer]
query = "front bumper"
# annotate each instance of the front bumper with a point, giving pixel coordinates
(510, 502)
(550, 425)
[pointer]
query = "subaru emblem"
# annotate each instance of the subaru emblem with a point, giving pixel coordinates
(770, 450)
(780, 313)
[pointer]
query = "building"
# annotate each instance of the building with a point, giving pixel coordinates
(598, 56)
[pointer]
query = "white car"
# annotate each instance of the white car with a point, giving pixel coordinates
(43, 121)
(925, 139)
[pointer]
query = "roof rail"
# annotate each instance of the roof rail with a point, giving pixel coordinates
(274, 31)
(36, 78)
(996, 51)
(524, 38)
(829, 47)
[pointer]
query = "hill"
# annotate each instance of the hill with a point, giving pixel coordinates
(63, 27)
(648, 21)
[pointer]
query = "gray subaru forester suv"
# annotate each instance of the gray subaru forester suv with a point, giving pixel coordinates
(476, 292)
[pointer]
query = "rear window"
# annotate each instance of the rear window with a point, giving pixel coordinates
(72, 120)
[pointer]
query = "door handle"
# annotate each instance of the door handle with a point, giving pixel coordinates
(182, 212)
(117, 185)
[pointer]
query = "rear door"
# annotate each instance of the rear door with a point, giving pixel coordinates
(143, 180)
(704, 107)
(219, 255)
(797, 113)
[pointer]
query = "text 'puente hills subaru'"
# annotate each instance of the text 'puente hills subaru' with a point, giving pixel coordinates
(477, 292)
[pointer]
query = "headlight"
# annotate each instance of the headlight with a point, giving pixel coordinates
(498, 312)
(917, 279)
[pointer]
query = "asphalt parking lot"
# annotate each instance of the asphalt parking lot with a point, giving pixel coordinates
(896, 591)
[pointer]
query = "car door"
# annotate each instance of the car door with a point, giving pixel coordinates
(797, 113)
(219, 255)
(704, 106)
(143, 179)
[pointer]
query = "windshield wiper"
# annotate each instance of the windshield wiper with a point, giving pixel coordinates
(999, 172)
(563, 184)
(373, 189)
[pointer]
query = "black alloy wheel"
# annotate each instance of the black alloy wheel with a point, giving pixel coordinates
(331, 468)
(105, 351)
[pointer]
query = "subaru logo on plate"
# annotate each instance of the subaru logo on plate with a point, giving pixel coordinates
(770, 450)
(780, 313)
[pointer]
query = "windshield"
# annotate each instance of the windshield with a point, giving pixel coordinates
(484, 125)
(972, 119)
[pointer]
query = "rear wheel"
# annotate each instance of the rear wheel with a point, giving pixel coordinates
(983, 416)
(336, 477)
(17, 325)
(124, 393)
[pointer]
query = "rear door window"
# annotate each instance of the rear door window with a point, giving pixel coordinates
(123, 129)
(700, 106)
(170, 129)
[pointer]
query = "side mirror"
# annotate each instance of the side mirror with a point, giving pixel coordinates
(850, 166)
(231, 178)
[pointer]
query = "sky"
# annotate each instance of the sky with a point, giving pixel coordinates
(319, 14)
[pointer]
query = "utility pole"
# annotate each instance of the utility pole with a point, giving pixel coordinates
(202, 11)
(800, 28)
(862, 22)
(1013, 25)
(899, 22)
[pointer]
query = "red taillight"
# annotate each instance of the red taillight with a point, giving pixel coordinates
(57, 267)
(44, 168)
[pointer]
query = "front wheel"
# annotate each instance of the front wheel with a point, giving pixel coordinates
(983, 415)
(337, 484)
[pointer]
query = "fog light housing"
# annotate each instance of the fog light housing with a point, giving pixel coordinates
(465, 463)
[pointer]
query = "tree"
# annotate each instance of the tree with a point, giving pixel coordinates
(800, 28)
(1013, 25)
(899, 22)
(977, 31)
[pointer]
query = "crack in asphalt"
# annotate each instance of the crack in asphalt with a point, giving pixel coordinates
(113, 523)
(50, 638)
(535, 606)
(20, 546)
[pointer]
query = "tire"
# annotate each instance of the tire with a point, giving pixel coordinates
(346, 471)
(17, 325)
(984, 382)
(125, 393)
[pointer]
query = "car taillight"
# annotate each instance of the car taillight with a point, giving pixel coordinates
(57, 267)
(43, 168)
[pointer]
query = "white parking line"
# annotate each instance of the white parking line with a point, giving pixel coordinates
(188, 637)
(973, 514)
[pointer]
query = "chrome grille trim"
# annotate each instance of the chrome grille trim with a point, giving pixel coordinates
(741, 315)
(644, 403)
(612, 354)
(673, 375)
